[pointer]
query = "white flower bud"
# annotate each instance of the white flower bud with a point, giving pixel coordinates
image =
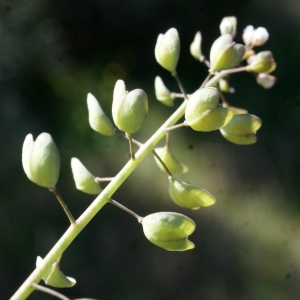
(266, 80)
(260, 36)
(228, 25)
(247, 35)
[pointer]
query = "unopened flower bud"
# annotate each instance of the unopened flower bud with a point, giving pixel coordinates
(225, 54)
(129, 110)
(203, 111)
(266, 80)
(97, 118)
(172, 163)
(247, 35)
(84, 180)
(169, 230)
(40, 160)
(224, 86)
(54, 276)
(189, 196)
(236, 110)
(228, 25)
(167, 50)
(195, 47)
(162, 93)
(241, 129)
(260, 36)
(263, 62)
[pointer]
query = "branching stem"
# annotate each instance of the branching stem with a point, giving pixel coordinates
(117, 204)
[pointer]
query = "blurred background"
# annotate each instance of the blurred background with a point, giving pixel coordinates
(52, 53)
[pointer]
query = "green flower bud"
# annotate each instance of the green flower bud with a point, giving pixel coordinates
(266, 80)
(203, 112)
(241, 129)
(236, 110)
(263, 62)
(225, 54)
(40, 160)
(84, 180)
(167, 50)
(195, 47)
(186, 195)
(224, 86)
(172, 163)
(97, 118)
(55, 277)
(162, 93)
(169, 230)
(129, 110)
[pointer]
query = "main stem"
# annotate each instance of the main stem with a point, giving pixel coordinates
(63, 243)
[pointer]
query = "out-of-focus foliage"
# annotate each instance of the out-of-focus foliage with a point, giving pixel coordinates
(52, 53)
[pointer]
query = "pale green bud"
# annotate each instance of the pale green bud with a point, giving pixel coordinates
(172, 163)
(55, 277)
(224, 86)
(162, 93)
(241, 129)
(40, 160)
(84, 180)
(266, 80)
(203, 111)
(167, 50)
(228, 25)
(169, 230)
(195, 47)
(97, 118)
(225, 54)
(129, 110)
(236, 110)
(262, 62)
(186, 195)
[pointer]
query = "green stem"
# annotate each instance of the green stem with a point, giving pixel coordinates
(163, 164)
(129, 211)
(50, 292)
(63, 204)
(129, 136)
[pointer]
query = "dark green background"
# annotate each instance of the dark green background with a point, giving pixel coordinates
(52, 53)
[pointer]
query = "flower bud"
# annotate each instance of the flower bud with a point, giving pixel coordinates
(263, 62)
(224, 86)
(40, 160)
(162, 93)
(265, 80)
(247, 35)
(236, 110)
(129, 110)
(225, 54)
(167, 50)
(203, 112)
(186, 195)
(97, 118)
(241, 129)
(55, 277)
(260, 36)
(169, 230)
(195, 47)
(84, 180)
(172, 163)
(228, 25)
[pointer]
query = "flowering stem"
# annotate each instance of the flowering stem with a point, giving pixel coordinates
(163, 164)
(102, 179)
(180, 85)
(175, 127)
(64, 206)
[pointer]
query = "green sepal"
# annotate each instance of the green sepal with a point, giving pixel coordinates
(40, 159)
(186, 195)
(84, 180)
(97, 118)
(129, 110)
(169, 230)
(162, 93)
(262, 62)
(241, 129)
(203, 111)
(55, 277)
(172, 163)
(225, 54)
